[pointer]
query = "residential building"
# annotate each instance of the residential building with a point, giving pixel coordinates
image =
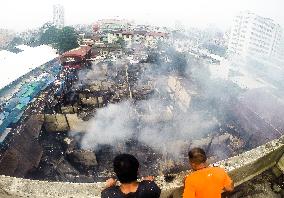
(254, 35)
(5, 37)
(58, 16)
(111, 25)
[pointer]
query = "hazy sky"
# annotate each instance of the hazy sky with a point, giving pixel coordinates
(23, 14)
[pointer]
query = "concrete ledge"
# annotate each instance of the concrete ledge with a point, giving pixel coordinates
(34, 188)
(241, 168)
(280, 164)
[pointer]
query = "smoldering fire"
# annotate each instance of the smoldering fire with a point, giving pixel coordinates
(157, 108)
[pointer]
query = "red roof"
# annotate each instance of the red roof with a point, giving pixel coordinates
(127, 33)
(76, 66)
(123, 32)
(157, 34)
(77, 52)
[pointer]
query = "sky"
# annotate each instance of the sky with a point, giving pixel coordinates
(20, 15)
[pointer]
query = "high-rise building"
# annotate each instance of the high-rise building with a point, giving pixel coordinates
(5, 37)
(58, 16)
(255, 35)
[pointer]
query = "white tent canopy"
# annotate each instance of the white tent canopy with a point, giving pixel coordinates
(15, 65)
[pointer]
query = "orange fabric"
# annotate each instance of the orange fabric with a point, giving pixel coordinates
(206, 183)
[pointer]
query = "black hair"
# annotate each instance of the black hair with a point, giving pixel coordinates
(197, 155)
(126, 168)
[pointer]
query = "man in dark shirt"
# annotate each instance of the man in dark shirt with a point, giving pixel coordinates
(126, 169)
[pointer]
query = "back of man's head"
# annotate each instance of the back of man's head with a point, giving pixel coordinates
(126, 168)
(197, 156)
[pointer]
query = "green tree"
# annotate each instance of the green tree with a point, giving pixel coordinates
(121, 42)
(12, 45)
(50, 36)
(67, 39)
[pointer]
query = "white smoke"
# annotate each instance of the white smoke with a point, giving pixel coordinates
(157, 122)
(160, 122)
(111, 125)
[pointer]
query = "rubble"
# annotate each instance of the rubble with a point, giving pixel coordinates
(75, 123)
(82, 159)
(70, 144)
(264, 185)
(56, 123)
(120, 75)
(114, 84)
(69, 109)
(155, 117)
(23, 152)
(179, 92)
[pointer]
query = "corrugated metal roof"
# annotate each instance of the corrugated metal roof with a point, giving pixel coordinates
(17, 65)
(77, 52)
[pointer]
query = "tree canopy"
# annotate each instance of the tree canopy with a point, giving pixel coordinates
(15, 41)
(62, 39)
(121, 42)
(50, 36)
(67, 39)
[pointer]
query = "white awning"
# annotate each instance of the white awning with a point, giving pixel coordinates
(15, 65)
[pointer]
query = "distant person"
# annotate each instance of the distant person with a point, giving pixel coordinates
(126, 169)
(205, 182)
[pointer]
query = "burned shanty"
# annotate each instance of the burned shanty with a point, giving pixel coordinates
(140, 92)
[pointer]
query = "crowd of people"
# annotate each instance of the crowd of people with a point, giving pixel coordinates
(203, 182)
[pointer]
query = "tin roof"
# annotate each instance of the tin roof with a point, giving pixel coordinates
(77, 52)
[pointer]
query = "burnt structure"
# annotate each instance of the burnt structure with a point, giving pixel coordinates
(78, 93)
(24, 151)
(112, 83)
(76, 58)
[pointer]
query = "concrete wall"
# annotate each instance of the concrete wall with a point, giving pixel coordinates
(241, 168)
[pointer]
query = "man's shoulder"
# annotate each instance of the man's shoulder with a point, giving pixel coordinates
(218, 169)
(145, 187)
(150, 188)
(112, 192)
(195, 174)
(148, 184)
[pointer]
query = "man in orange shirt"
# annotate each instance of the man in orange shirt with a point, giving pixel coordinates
(205, 182)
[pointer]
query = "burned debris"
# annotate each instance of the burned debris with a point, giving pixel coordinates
(73, 108)
(155, 102)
